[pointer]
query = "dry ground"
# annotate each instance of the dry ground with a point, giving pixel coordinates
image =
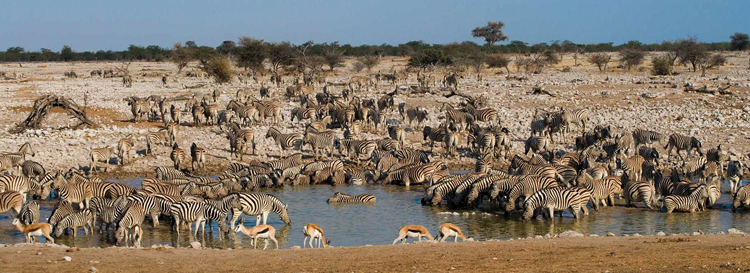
(708, 253)
(624, 99)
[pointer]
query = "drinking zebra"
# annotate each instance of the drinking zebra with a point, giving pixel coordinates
(260, 205)
(343, 198)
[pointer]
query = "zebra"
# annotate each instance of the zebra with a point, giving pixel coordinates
(260, 205)
(18, 184)
(388, 144)
(357, 148)
(131, 217)
(320, 140)
(649, 154)
(692, 203)
(150, 206)
(178, 156)
(198, 156)
(123, 149)
(682, 142)
(106, 210)
(33, 170)
(160, 137)
(646, 137)
(98, 155)
(75, 220)
(434, 194)
(713, 188)
(343, 198)
(451, 143)
(578, 117)
(457, 117)
(520, 167)
(457, 196)
(357, 176)
(600, 190)
(483, 143)
(503, 143)
(434, 134)
(176, 113)
(285, 141)
(152, 185)
(639, 191)
(488, 115)
(11, 200)
(29, 213)
(734, 175)
(11, 161)
(197, 213)
(483, 185)
(537, 144)
(552, 199)
(286, 162)
(416, 174)
(398, 134)
(740, 199)
(526, 187)
(62, 208)
(417, 114)
(173, 175)
(633, 167)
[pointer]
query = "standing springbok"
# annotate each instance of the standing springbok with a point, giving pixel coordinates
(314, 232)
(34, 230)
(257, 232)
(413, 231)
(448, 229)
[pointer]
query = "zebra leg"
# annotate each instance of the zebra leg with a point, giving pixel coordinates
(235, 215)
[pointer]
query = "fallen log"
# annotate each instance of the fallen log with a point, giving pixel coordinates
(41, 109)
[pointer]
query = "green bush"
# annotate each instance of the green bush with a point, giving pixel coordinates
(661, 65)
(220, 68)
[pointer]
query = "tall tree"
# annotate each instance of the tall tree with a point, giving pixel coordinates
(251, 53)
(226, 48)
(66, 54)
(492, 32)
(739, 41)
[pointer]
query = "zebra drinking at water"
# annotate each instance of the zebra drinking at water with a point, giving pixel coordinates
(342, 198)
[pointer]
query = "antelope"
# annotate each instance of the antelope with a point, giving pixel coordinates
(413, 231)
(448, 229)
(257, 232)
(314, 232)
(34, 230)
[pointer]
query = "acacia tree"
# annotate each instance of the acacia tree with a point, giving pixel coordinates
(251, 53)
(227, 48)
(600, 60)
(631, 57)
(711, 61)
(491, 33)
(181, 56)
(739, 41)
(370, 61)
(332, 55)
(690, 51)
(279, 55)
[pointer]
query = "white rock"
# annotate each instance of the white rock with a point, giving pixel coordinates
(570, 234)
(195, 245)
(93, 269)
(661, 233)
(67, 258)
(735, 231)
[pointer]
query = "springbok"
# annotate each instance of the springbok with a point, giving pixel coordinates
(257, 232)
(448, 229)
(34, 230)
(413, 231)
(314, 232)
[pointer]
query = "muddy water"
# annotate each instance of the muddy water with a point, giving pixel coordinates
(354, 225)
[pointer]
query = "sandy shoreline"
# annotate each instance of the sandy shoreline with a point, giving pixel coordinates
(705, 253)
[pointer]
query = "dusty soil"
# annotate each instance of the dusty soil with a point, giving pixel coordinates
(706, 253)
(624, 99)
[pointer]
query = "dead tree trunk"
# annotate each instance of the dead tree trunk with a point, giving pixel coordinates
(42, 107)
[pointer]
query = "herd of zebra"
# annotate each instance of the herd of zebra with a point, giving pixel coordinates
(605, 164)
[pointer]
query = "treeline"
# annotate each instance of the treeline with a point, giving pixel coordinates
(230, 48)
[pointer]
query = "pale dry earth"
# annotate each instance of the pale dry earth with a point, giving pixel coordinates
(680, 253)
(624, 99)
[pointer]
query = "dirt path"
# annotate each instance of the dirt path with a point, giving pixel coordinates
(708, 253)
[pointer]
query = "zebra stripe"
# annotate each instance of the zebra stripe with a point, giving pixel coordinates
(18, 184)
(62, 208)
(33, 170)
(80, 193)
(646, 137)
(29, 213)
(284, 141)
(416, 174)
(286, 162)
(741, 198)
(133, 215)
(260, 204)
(178, 156)
(526, 187)
(157, 138)
(682, 142)
(11, 200)
(633, 167)
(458, 195)
(457, 117)
(483, 186)
(358, 148)
(485, 115)
(123, 149)
(578, 117)
(74, 221)
(343, 198)
(434, 134)
(734, 175)
(639, 191)
(692, 203)
(551, 200)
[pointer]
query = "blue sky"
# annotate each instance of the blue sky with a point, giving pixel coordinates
(93, 25)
